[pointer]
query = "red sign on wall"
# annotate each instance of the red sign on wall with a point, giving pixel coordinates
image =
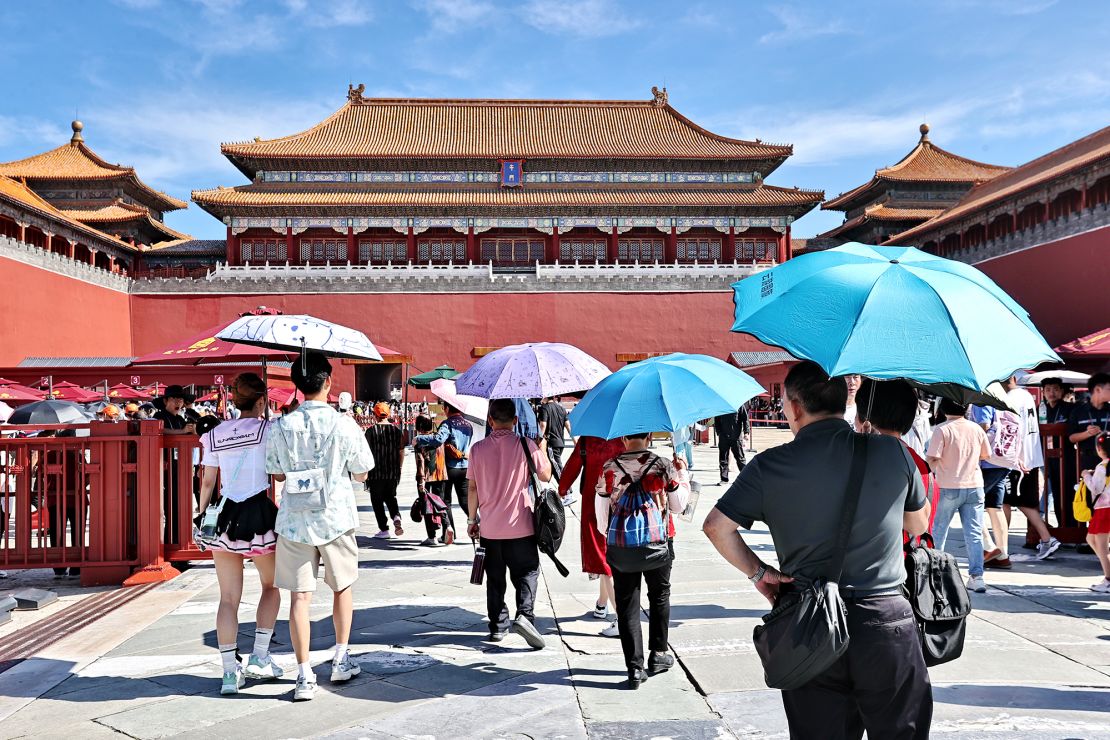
(218, 380)
(135, 379)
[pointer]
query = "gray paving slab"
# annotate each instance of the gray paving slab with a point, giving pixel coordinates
(600, 683)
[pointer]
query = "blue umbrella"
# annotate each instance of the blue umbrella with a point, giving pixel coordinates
(662, 394)
(891, 312)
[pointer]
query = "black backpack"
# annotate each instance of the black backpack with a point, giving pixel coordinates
(547, 513)
(939, 600)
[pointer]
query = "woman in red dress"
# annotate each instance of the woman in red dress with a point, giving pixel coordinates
(586, 460)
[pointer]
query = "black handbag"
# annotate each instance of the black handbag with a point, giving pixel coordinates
(939, 598)
(548, 515)
(807, 630)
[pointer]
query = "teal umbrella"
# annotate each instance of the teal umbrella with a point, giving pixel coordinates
(891, 312)
(424, 380)
(661, 394)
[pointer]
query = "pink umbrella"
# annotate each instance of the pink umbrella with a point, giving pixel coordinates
(537, 370)
(445, 390)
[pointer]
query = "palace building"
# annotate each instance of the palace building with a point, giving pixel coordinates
(507, 183)
(924, 183)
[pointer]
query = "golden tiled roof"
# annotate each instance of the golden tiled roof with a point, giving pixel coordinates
(925, 163)
(1069, 158)
(883, 213)
(75, 161)
(120, 212)
(271, 195)
(20, 193)
(404, 128)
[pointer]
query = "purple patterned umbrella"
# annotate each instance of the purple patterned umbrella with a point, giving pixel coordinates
(535, 370)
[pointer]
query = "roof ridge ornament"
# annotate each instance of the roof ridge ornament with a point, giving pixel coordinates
(659, 97)
(77, 127)
(354, 94)
(924, 129)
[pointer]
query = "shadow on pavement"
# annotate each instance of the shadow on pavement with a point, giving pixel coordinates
(1024, 697)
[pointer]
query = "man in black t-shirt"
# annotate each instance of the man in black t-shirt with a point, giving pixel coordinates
(1090, 419)
(553, 421)
(1059, 478)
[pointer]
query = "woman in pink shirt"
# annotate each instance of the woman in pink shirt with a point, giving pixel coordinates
(499, 491)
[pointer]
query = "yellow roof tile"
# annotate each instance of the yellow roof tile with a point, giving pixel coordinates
(23, 195)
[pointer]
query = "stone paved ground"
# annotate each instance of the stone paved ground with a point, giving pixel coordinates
(1037, 663)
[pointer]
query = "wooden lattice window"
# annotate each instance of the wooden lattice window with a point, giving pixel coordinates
(323, 250)
(759, 250)
(441, 250)
(585, 250)
(507, 251)
(263, 250)
(644, 250)
(380, 251)
(700, 249)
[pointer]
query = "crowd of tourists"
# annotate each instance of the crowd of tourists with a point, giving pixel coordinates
(850, 434)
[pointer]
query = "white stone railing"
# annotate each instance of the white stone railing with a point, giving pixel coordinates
(223, 271)
(61, 264)
(650, 269)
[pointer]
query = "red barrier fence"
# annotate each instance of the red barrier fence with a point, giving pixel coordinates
(1061, 473)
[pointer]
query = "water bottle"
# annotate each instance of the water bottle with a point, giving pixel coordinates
(1042, 413)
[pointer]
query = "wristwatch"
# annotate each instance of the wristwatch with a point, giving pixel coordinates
(471, 521)
(758, 575)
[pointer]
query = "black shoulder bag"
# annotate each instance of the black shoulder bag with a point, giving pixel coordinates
(807, 630)
(548, 516)
(939, 598)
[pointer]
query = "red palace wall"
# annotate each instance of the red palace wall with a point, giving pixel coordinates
(443, 328)
(1065, 285)
(48, 314)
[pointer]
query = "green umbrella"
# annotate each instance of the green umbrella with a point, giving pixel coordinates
(424, 380)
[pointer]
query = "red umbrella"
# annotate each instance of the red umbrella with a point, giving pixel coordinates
(65, 391)
(205, 348)
(123, 392)
(1092, 346)
(18, 394)
(283, 396)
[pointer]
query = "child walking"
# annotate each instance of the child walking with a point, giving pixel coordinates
(1098, 529)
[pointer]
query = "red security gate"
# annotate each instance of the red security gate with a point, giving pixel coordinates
(1061, 471)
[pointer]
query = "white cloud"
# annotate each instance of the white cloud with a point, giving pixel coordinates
(798, 26)
(586, 18)
(330, 13)
(31, 135)
(453, 16)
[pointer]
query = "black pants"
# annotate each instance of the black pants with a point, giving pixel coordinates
(383, 495)
(555, 457)
(456, 480)
(736, 447)
(880, 685)
(522, 559)
(626, 594)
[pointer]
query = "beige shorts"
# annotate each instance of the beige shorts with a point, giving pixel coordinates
(298, 565)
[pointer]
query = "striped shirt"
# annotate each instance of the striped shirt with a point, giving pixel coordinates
(385, 442)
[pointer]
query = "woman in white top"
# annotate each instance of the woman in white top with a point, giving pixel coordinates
(236, 449)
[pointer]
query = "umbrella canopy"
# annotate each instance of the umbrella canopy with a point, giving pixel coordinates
(891, 312)
(1095, 345)
(662, 394)
(206, 349)
(424, 380)
(994, 395)
(1068, 377)
(49, 412)
(472, 406)
(297, 332)
(12, 385)
(537, 370)
(123, 392)
(66, 391)
(19, 394)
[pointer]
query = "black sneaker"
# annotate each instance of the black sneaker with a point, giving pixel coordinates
(659, 663)
(636, 677)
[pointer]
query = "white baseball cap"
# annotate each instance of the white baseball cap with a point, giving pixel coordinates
(345, 401)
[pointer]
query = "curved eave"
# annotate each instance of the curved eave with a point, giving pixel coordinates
(52, 214)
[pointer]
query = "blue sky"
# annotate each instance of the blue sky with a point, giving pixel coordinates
(160, 83)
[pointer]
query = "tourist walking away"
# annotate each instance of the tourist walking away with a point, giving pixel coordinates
(499, 492)
(1024, 485)
(1098, 529)
(455, 434)
(586, 461)
(880, 685)
(319, 454)
(1060, 473)
(682, 440)
(636, 495)
(431, 477)
(240, 526)
(731, 428)
(1004, 440)
(387, 445)
(554, 424)
(891, 407)
(955, 450)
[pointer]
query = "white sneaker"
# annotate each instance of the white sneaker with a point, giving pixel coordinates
(233, 681)
(570, 499)
(345, 669)
(1044, 549)
(977, 584)
(263, 670)
(611, 631)
(382, 535)
(1102, 587)
(306, 689)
